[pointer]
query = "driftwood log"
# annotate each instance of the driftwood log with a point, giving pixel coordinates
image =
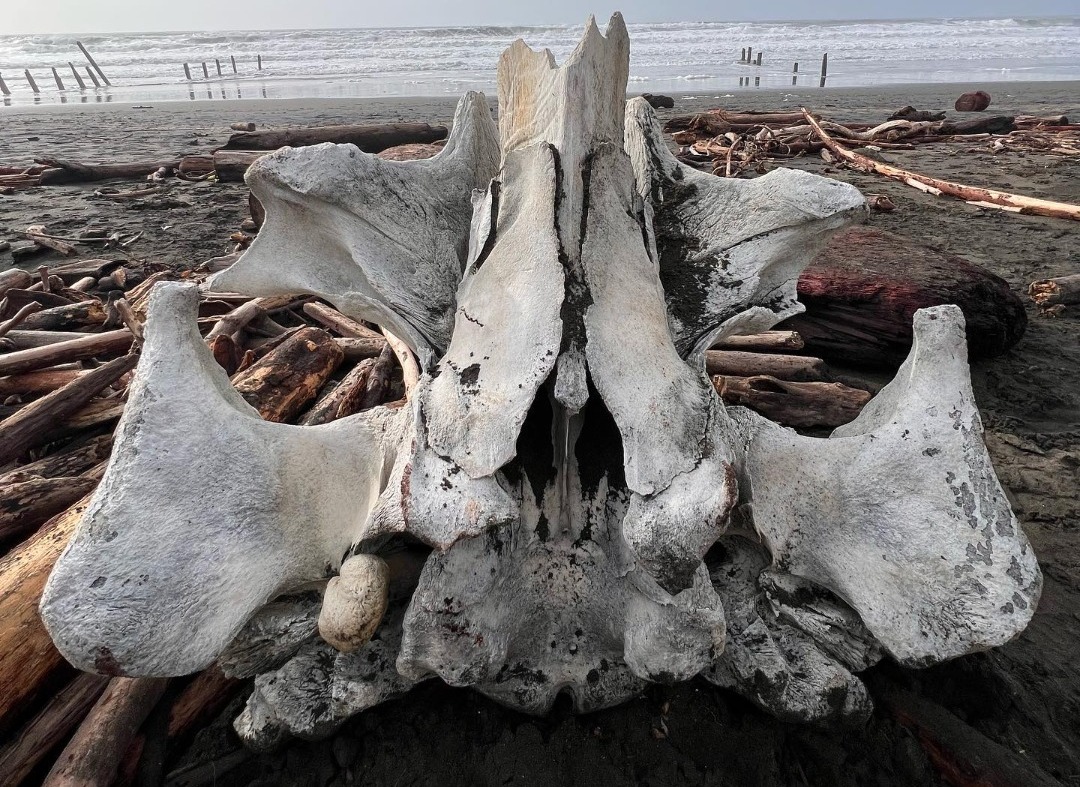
(95, 752)
(863, 289)
(1052, 295)
(281, 383)
(73, 172)
(369, 138)
(748, 364)
(982, 197)
(19, 432)
(803, 405)
(49, 727)
(88, 346)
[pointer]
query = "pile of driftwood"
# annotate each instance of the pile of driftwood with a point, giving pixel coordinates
(731, 143)
(69, 340)
(230, 162)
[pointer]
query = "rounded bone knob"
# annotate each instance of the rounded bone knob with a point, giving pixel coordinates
(355, 602)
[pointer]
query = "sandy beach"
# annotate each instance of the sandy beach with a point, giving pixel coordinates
(1025, 697)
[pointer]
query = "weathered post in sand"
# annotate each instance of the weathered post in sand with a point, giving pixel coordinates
(233, 59)
(93, 77)
(187, 72)
(56, 76)
(824, 69)
(78, 77)
(205, 71)
(217, 62)
(4, 87)
(97, 68)
(30, 79)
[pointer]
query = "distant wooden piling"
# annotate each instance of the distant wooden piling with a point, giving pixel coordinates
(78, 77)
(218, 64)
(30, 79)
(93, 77)
(205, 71)
(758, 59)
(187, 72)
(259, 61)
(749, 54)
(233, 59)
(824, 68)
(93, 62)
(795, 74)
(3, 86)
(59, 82)
(757, 81)
(742, 57)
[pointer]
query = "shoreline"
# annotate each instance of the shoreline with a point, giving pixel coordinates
(1069, 90)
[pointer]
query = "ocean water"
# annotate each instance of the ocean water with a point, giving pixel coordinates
(676, 57)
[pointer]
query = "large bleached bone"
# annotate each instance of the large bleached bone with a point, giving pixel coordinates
(206, 511)
(381, 240)
(899, 513)
(589, 506)
(726, 245)
(507, 328)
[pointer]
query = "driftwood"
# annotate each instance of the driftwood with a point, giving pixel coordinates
(962, 756)
(341, 399)
(72, 272)
(747, 364)
(79, 349)
(978, 196)
(27, 340)
(767, 342)
(98, 747)
(230, 165)
(14, 279)
(28, 659)
(74, 460)
(49, 727)
(281, 383)
(19, 432)
(369, 138)
(72, 172)
(76, 316)
(863, 289)
(200, 701)
(37, 382)
(796, 404)
(358, 349)
(1052, 295)
(411, 152)
(26, 505)
(332, 319)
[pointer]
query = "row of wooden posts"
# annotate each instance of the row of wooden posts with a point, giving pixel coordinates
(747, 59)
(217, 62)
(74, 72)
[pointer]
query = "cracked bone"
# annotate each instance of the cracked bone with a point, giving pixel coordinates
(570, 473)
(899, 513)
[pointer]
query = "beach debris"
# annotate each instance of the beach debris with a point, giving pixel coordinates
(916, 115)
(1053, 295)
(565, 505)
(242, 126)
(368, 138)
(880, 203)
(972, 102)
(981, 197)
(659, 102)
(862, 291)
(57, 171)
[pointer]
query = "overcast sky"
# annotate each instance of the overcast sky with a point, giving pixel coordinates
(61, 16)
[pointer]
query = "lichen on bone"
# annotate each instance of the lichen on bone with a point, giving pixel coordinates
(593, 517)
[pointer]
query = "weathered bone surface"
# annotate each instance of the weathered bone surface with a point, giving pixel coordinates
(597, 518)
